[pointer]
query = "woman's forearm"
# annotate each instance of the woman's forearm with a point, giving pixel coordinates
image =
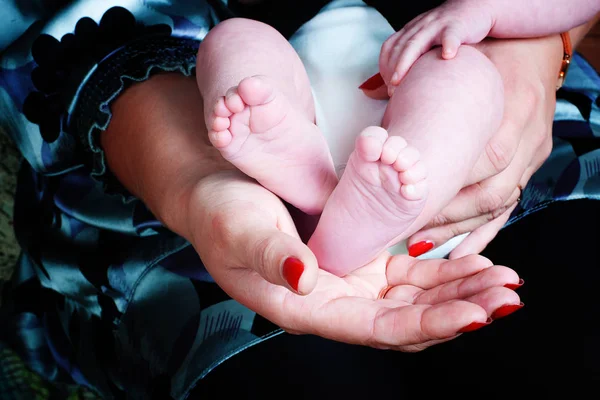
(157, 145)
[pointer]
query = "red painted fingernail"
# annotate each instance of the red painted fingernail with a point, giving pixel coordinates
(515, 286)
(474, 326)
(506, 309)
(292, 271)
(374, 82)
(420, 248)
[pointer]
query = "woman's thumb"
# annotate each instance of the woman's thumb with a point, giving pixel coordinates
(282, 260)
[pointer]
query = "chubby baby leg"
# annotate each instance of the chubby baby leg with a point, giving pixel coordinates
(436, 126)
(260, 114)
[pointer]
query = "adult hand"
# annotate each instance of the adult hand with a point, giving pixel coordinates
(515, 152)
(246, 239)
(529, 68)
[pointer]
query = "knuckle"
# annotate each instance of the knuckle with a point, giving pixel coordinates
(415, 348)
(499, 155)
(455, 230)
(439, 220)
(533, 94)
(542, 138)
(388, 44)
(451, 23)
(221, 232)
(412, 42)
(497, 213)
(430, 17)
(488, 201)
(263, 250)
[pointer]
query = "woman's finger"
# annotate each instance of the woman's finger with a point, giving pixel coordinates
(427, 274)
(439, 235)
(498, 154)
(256, 233)
(381, 324)
(458, 289)
(485, 197)
(496, 276)
(476, 204)
(497, 301)
(478, 239)
(372, 89)
(278, 257)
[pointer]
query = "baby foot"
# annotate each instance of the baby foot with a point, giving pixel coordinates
(256, 128)
(380, 194)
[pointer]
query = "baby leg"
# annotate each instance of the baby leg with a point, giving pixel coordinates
(435, 127)
(260, 114)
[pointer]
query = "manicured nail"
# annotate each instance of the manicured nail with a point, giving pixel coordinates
(292, 271)
(515, 286)
(473, 326)
(420, 248)
(506, 309)
(374, 82)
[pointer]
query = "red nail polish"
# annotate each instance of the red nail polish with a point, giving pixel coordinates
(420, 248)
(374, 82)
(506, 309)
(474, 326)
(515, 286)
(292, 271)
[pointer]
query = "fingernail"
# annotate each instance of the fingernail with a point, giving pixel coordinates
(515, 286)
(395, 77)
(292, 271)
(474, 326)
(420, 248)
(374, 82)
(506, 309)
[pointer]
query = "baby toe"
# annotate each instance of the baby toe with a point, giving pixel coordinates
(220, 109)
(369, 143)
(415, 191)
(414, 174)
(233, 101)
(220, 139)
(391, 148)
(256, 90)
(406, 159)
(220, 124)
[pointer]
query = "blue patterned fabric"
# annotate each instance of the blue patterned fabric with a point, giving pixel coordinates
(104, 295)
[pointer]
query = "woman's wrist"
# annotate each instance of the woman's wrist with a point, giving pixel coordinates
(156, 145)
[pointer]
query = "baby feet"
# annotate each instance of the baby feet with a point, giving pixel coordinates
(380, 194)
(256, 128)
